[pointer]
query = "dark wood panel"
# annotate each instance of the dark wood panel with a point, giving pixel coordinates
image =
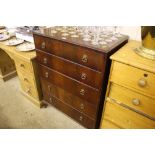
(83, 91)
(78, 72)
(76, 115)
(47, 32)
(89, 109)
(78, 54)
(62, 63)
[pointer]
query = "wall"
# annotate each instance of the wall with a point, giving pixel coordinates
(134, 32)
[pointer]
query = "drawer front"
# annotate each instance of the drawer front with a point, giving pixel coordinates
(78, 72)
(23, 65)
(131, 77)
(105, 124)
(81, 55)
(29, 89)
(68, 98)
(83, 91)
(76, 115)
(125, 118)
(132, 99)
(26, 78)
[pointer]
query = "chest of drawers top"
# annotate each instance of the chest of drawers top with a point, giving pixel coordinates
(79, 41)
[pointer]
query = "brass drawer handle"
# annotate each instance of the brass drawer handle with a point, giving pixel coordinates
(80, 118)
(43, 45)
(136, 102)
(22, 65)
(83, 76)
(45, 60)
(46, 75)
(82, 91)
(82, 106)
(142, 82)
(85, 58)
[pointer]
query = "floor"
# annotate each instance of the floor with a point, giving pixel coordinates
(17, 112)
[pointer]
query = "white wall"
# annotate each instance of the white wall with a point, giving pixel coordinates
(134, 32)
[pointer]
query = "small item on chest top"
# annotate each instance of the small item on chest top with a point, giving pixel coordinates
(147, 49)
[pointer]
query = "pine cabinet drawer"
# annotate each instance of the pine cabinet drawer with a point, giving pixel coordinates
(26, 78)
(133, 99)
(30, 90)
(134, 78)
(28, 85)
(125, 118)
(24, 65)
(106, 124)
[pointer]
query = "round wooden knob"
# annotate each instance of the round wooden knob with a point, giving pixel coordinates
(136, 101)
(85, 58)
(142, 82)
(25, 79)
(28, 90)
(43, 45)
(22, 65)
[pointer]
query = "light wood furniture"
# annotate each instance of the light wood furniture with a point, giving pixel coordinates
(130, 97)
(7, 66)
(27, 71)
(74, 74)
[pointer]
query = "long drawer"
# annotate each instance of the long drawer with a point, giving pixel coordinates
(78, 54)
(125, 118)
(74, 101)
(78, 116)
(78, 72)
(132, 99)
(132, 77)
(83, 91)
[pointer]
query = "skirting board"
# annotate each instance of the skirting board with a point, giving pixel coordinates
(8, 76)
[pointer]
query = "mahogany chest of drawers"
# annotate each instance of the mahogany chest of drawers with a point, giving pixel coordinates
(74, 75)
